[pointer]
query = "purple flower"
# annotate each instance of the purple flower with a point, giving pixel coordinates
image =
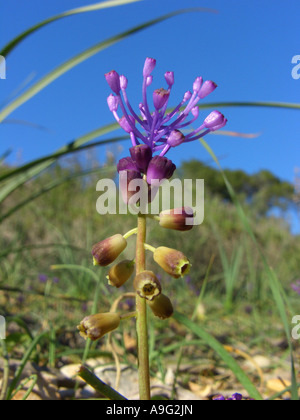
(160, 130)
(296, 286)
(141, 156)
(160, 168)
(43, 278)
(234, 397)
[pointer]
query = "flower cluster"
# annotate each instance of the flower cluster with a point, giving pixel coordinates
(159, 131)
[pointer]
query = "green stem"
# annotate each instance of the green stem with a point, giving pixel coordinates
(149, 247)
(130, 233)
(99, 385)
(141, 308)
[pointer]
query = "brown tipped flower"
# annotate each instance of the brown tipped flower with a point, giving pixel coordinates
(96, 326)
(106, 251)
(178, 219)
(147, 285)
(120, 273)
(172, 261)
(161, 306)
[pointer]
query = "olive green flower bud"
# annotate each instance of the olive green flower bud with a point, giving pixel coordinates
(96, 326)
(161, 306)
(120, 273)
(147, 285)
(178, 219)
(172, 261)
(106, 251)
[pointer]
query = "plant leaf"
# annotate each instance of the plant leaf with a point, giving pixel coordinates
(79, 58)
(7, 49)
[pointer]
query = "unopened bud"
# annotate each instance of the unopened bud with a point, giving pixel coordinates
(112, 102)
(149, 66)
(175, 138)
(197, 84)
(147, 285)
(106, 251)
(169, 76)
(96, 326)
(113, 79)
(172, 261)
(120, 273)
(124, 123)
(178, 219)
(207, 88)
(214, 119)
(161, 306)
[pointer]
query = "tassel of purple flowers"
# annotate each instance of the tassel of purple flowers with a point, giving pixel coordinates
(161, 130)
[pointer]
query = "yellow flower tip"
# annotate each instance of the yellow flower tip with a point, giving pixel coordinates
(120, 273)
(174, 262)
(96, 326)
(147, 285)
(106, 251)
(161, 306)
(95, 262)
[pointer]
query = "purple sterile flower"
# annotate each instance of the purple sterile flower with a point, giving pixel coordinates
(159, 129)
(113, 79)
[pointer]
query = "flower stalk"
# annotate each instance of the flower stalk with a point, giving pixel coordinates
(141, 310)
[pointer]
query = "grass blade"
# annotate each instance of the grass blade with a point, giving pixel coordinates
(26, 357)
(7, 49)
(68, 149)
(275, 286)
(31, 171)
(50, 186)
(79, 58)
(223, 354)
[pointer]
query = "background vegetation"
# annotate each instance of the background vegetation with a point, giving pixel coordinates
(236, 304)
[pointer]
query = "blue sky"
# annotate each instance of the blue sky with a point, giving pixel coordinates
(246, 48)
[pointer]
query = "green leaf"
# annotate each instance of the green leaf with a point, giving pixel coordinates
(73, 62)
(223, 354)
(91, 8)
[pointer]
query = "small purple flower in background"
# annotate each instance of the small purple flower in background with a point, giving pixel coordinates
(296, 286)
(234, 397)
(55, 280)
(84, 307)
(158, 131)
(43, 278)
